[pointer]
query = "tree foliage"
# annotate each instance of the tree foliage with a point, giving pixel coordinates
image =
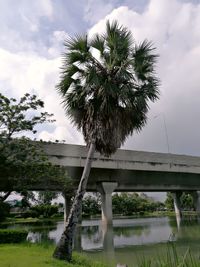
(186, 201)
(23, 163)
(106, 96)
(122, 204)
(45, 197)
(91, 205)
(129, 204)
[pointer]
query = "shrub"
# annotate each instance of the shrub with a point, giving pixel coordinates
(12, 236)
(4, 210)
(91, 206)
(45, 210)
(30, 214)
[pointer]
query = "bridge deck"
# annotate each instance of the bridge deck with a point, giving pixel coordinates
(132, 170)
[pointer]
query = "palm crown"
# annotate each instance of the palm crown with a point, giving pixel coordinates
(106, 96)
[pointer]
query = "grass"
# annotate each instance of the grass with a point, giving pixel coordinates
(30, 220)
(172, 259)
(33, 255)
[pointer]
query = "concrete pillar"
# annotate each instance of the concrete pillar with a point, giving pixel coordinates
(106, 189)
(108, 243)
(177, 206)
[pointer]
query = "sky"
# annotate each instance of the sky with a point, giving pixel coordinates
(31, 45)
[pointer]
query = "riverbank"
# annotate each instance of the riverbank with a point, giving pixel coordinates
(41, 221)
(33, 255)
(35, 221)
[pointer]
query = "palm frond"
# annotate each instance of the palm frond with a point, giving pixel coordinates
(108, 99)
(77, 43)
(144, 60)
(98, 43)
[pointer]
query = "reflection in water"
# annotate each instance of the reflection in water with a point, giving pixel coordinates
(125, 239)
(93, 235)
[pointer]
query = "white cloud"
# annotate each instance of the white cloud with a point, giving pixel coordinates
(27, 72)
(96, 10)
(174, 28)
(57, 40)
(46, 8)
(21, 26)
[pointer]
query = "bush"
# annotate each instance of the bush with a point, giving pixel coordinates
(91, 206)
(12, 236)
(30, 214)
(4, 210)
(41, 211)
(44, 210)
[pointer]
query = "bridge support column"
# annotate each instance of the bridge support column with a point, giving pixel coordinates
(196, 199)
(177, 203)
(106, 189)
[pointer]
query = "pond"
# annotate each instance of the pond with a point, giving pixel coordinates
(128, 241)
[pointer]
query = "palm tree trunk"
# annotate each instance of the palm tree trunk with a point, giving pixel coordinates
(64, 248)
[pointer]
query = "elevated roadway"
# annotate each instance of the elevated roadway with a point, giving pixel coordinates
(131, 170)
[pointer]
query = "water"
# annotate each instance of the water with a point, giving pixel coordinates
(128, 241)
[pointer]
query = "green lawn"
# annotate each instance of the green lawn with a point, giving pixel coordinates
(31, 255)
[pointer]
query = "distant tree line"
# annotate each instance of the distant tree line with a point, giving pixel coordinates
(123, 204)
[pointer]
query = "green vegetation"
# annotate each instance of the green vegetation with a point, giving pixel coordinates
(23, 162)
(129, 204)
(172, 259)
(12, 236)
(38, 211)
(186, 201)
(45, 197)
(91, 205)
(32, 255)
(34, 221)
(4, 210)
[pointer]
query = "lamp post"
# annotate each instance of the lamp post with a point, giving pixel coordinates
(165, 128)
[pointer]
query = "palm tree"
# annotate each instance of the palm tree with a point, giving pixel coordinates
(106, 83)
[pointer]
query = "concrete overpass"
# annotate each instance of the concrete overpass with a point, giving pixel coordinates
(130, 171)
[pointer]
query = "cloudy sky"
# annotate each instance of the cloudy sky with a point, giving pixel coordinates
(31, 44)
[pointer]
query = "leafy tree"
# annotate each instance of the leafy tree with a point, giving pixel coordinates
(23, 163)
(45, 210)
(106, 97)
(129, 204)
(91, 205)
(186, 201)
(45, 197)
(169, 201)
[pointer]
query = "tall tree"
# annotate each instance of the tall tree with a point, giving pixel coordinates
(106, 83)
(23, 162)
